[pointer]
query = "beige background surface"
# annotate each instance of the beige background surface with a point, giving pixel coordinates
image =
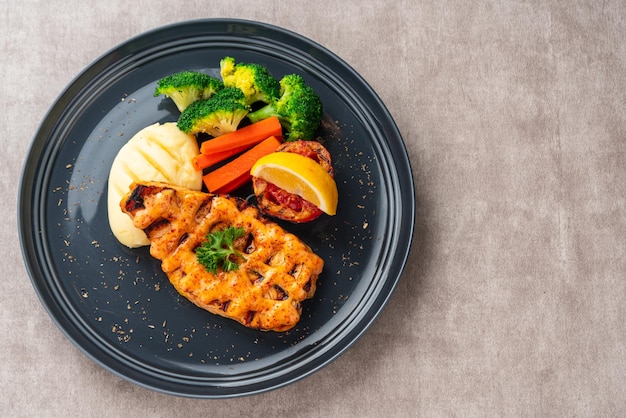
(513, 302)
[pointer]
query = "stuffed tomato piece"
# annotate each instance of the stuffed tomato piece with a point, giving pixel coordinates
(280, 204)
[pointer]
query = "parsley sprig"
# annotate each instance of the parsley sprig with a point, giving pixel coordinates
(219, 251)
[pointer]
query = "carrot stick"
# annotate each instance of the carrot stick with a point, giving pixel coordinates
(202, 161)
(237, 172)
(235, 184)
(248, 135)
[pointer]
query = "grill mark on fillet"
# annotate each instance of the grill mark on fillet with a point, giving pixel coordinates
(203, 209)
(276, 293)
(155, 227)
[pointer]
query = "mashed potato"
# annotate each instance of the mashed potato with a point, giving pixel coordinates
(159, 152)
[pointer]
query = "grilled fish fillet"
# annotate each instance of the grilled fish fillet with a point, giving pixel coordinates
(266, 291)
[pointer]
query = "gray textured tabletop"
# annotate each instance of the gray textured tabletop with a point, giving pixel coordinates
(513, 301)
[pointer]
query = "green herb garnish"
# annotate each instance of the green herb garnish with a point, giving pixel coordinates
(218, 251)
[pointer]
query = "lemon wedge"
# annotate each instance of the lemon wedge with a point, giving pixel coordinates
(299, 175)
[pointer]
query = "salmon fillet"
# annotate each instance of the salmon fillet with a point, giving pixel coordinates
(265, 292)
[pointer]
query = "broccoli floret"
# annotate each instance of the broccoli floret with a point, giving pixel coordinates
(298, 108)
(187, 87)
(254, 80)
(216, 116)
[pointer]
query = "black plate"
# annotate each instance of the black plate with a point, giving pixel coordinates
(117, 306)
